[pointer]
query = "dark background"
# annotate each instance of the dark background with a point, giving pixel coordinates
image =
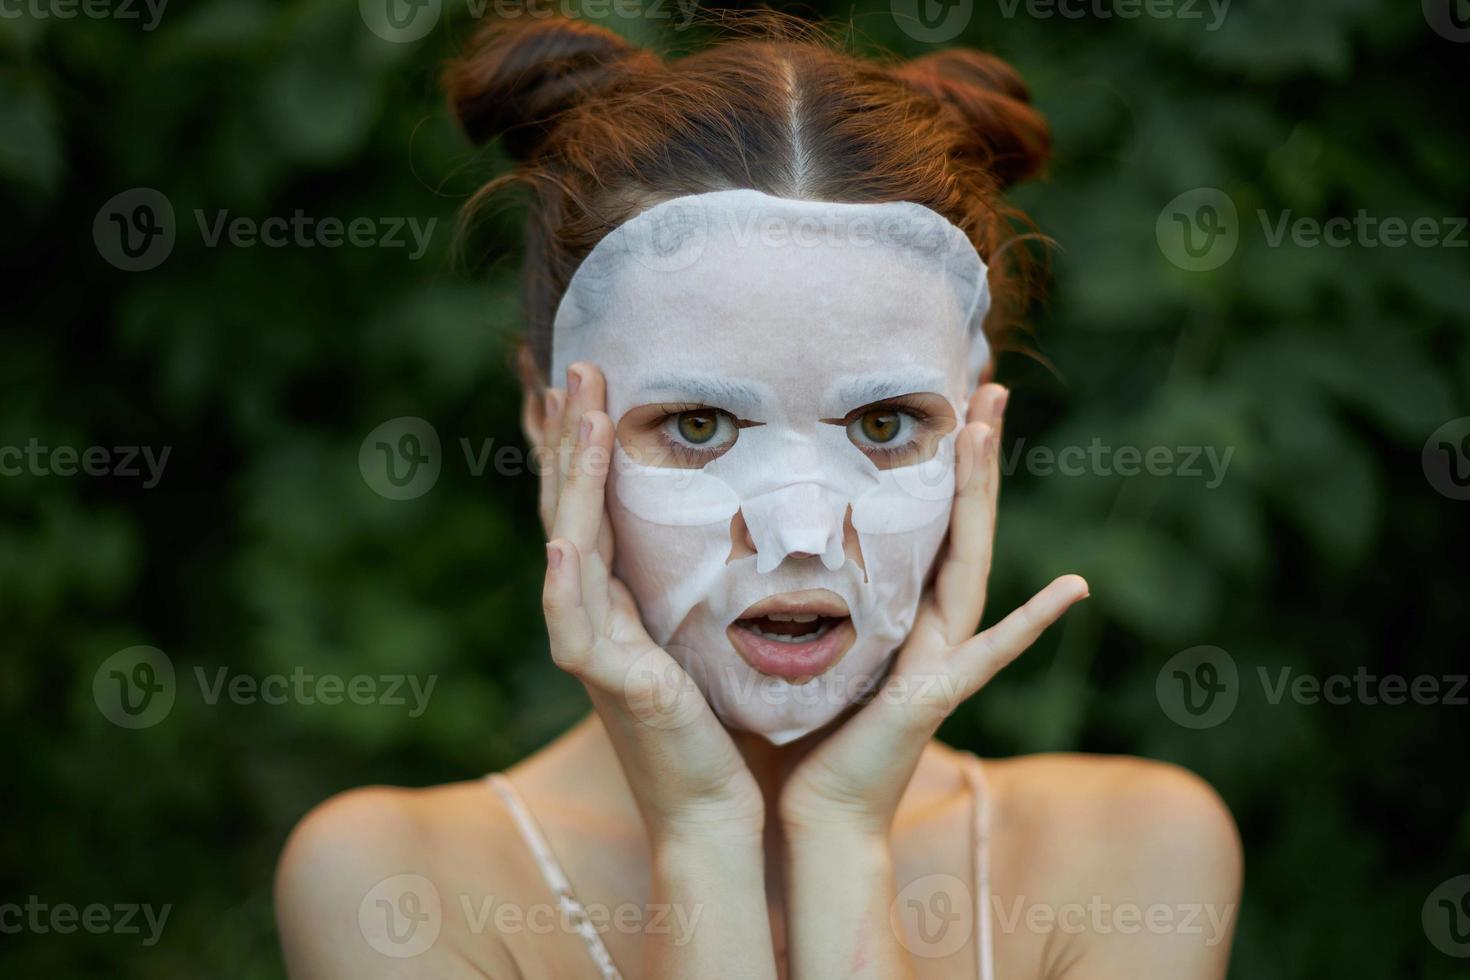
(1334, 544)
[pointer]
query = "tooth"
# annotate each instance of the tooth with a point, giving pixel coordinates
(787, 638)
(806, 618)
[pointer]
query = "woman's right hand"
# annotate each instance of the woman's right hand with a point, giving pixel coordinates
(689, 780)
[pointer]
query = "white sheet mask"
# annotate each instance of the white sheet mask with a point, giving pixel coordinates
(788, 314)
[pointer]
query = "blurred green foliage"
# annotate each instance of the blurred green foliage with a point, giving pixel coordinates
(262, 549)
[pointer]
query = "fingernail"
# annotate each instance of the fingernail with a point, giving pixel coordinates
(553, 556)
(574, 381)
(1000, 403)
(550, 400)
(586, 429)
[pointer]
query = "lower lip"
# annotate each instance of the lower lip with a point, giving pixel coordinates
(795, 662)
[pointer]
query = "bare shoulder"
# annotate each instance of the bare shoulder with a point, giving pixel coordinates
(1123, 799)
(1143, 856)
(371, 882)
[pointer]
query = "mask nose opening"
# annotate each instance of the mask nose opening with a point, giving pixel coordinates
(852, 546)
(742, 545)
(798, 521)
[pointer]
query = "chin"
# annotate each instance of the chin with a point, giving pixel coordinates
(778, 709)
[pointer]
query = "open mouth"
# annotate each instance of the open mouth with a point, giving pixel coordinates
(795, 636)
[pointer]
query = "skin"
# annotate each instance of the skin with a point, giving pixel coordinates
(776, 862)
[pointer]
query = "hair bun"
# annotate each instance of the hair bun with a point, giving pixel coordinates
(520, 75)
(992, 103)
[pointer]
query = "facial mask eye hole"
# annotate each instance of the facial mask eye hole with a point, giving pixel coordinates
(681, 436)
(899, 431)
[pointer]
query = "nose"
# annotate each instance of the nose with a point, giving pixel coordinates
(803, 520)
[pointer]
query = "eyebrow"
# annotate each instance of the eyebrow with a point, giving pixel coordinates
(856, 392)
(716, 392)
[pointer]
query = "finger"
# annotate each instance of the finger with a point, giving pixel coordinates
(568, 626)
(585, 392)
(959, 588)
(550, 487)
(984, 656)
(579, 512)
(605, 539)
(626, 623)
(987, 404)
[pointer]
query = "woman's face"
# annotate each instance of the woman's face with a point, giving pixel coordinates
(785, 392)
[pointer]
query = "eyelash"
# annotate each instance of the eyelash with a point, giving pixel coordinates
(692, 455)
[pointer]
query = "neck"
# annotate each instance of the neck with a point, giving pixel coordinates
(770, 764)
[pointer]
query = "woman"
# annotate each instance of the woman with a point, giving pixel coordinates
(759, 284)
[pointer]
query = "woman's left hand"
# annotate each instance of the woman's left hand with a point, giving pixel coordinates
(855, 777)
(838, 804)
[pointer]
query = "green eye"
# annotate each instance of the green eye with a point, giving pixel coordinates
(698, 427)
(881, 426)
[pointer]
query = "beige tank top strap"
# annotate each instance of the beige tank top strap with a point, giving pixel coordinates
(551, 870)
(980, 832)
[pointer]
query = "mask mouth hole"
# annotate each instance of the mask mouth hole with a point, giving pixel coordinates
(795, 647)
(791, 628)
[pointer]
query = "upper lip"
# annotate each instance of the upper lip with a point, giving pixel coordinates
(814, 602)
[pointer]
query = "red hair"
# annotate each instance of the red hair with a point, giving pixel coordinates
(600, 129)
